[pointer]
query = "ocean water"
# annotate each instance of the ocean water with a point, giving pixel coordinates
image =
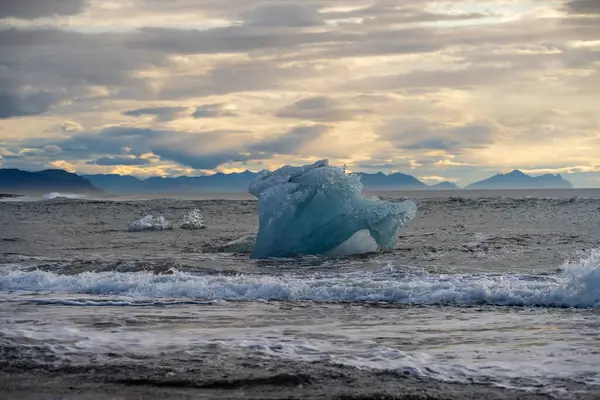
(496, 289)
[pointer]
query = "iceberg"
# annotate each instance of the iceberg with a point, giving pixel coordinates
(316, 209)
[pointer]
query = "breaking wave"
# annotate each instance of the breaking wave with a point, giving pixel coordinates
(578, 285)
(56, 195)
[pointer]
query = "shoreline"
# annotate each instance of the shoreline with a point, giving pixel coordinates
(239, 376)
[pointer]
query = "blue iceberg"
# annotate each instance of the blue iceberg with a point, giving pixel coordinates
(319, 209)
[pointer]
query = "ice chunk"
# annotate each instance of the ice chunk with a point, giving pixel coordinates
(360, 243)
(149, 223)
(315, 208)
(193, 220)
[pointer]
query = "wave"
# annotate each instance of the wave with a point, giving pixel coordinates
(578, 285)
(56, 195)
(116, 303)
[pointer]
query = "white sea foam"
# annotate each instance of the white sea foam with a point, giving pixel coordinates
(577, 286)
(513, 349)
(114, 303)
(149, 223)
(56, 195)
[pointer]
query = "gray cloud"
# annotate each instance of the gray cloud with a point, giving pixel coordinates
(161, 113)
(213, 111)
(380, 166)
(584, 7)
(238, 77)
(419, 134)
(129, 161)
(542, 56)
(39, 66)
(277, 49)
(52, 149)
(185, 156)
(31, 9)
(283, 13)
(202, 150)
(234, 39)
(22, 162)
(31, 153)
(19, 105)
(52, 60)
(464, 78)
(320, 108)
(290, 141)
(212, 8)
(397, 13)
(358, 9)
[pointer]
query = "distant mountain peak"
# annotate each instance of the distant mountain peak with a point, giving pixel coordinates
(46, 181)
(519, 180)
(445, 185)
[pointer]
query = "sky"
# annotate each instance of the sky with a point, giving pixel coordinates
(442, 90)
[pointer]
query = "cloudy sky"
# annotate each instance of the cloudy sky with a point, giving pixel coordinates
(443, 90)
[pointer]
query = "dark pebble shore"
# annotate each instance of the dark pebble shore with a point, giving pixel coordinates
(219, 376)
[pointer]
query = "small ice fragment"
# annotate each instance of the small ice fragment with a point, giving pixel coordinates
(149, 223)
(193, 220)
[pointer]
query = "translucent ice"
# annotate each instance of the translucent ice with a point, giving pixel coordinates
(316, 208)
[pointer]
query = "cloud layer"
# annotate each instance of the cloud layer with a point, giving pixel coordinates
(446, 89)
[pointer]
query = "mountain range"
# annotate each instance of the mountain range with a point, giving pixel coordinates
(50, 180)
(518, 180)
(53, 180)
(236, 182)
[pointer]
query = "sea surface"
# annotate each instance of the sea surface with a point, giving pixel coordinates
(489, 293)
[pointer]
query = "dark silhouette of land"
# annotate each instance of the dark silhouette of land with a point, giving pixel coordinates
(14, 181)
(519, 180)
(444, 186)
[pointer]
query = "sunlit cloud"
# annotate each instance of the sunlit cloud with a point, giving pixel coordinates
(436, 179)
(564, 170)
(450, 163)
(455, 90)
(62, 164)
